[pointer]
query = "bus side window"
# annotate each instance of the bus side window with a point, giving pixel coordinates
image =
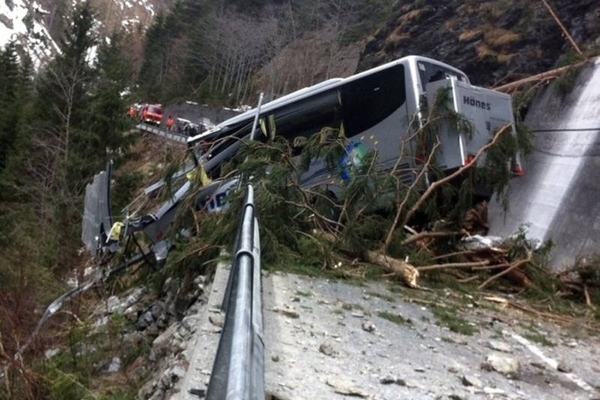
(297, 122)
(372, 98)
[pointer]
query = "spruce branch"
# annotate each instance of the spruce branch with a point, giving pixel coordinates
(435, 185)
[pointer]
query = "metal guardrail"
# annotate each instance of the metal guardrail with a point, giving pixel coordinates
(238, 370)
(176, 137)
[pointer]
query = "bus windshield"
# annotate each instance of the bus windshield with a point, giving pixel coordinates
(429, 72)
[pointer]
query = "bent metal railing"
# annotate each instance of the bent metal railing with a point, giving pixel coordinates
(238, 370)
(176, 137)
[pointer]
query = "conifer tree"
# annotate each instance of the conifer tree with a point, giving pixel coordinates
(107, 117)
(9, 100)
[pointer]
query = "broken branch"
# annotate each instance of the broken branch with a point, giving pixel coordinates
(506, 271)
(435, 185)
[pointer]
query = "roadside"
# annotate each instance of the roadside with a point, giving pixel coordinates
(329, 339)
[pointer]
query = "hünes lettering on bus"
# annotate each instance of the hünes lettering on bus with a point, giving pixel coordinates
(476, 103)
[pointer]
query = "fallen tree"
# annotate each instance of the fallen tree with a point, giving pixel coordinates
(376, 217)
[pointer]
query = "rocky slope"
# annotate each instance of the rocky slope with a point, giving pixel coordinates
(492, 41)
(37, 24)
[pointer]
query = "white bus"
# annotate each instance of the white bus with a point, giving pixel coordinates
(374, 109)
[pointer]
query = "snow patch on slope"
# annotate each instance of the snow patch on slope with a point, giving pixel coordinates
(22, 21)
(18, 23)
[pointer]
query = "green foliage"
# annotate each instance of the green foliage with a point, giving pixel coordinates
(565, 84)
(450, 319)
(540, 339)
(56, 132)
(71, 374)
(395, 318)
(588, 269)
(122, 191)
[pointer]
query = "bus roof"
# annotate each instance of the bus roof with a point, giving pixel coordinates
(319, 87)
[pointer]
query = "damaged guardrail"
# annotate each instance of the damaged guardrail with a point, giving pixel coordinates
(159, 132)
(238, 370)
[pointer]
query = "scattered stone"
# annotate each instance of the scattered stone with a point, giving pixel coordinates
(453, 370)
(389, 380)
(537, 365)
(156, 311)
(51, 353)
(358, 314)
(145, 320)
(172, 375)
(161, 344)
(563, 367)
(489, 390)
(287, 312)
(200, 393)
(275, 358)
(101, 322)
(115, 365)
(456, 397)
(368, 326)
(217, 320)
(421, 370)
(500, 346)
(152, 331)
(508, 366)
(326, 349)
(177, 373)
(112, 304)
(346, 388)
(470, 380)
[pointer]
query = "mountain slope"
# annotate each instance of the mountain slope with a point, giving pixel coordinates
(492, 41)
(36, 25)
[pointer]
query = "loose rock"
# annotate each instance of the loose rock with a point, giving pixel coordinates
(51, 353)
(115, 365)
(499, 346)
(470, 380)
(217, 320)
(326, 349)
(346, 388)
(368, 326)
(287, 312)
(508, 366)
(388, 380)
(563, 367)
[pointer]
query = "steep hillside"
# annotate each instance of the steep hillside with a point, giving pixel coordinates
(492, 41)
(37, 24)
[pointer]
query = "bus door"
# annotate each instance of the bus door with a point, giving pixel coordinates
(436, 80)
(453, 140)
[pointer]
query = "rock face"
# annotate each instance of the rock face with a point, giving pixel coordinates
(492, 41)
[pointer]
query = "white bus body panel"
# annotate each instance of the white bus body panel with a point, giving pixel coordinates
(486, 109)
